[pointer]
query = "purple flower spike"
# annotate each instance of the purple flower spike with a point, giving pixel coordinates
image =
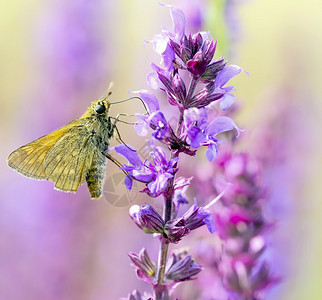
(147, 218)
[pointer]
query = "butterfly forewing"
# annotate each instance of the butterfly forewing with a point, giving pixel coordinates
(28, 159)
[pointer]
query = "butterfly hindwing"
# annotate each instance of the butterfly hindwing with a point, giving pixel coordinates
(68, 161)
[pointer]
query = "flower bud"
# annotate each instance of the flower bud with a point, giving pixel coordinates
(175, 230)
(195, 217)
(182, 268)
(145, 267)
(179, 87)
(147, 218)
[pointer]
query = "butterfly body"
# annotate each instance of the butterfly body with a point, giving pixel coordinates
(72, 154)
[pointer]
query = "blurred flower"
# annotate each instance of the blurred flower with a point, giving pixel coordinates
(241, 226)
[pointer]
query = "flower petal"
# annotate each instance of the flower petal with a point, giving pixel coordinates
(160, 42)
(141, 128)
(128, 182)
(227, 101)
(131, 155)
(150, 100)
(153, 80)
(222, 124)
(226, 74)
(179, 22)
(212, 151)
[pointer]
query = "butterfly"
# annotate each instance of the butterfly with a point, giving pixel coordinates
(72, 154)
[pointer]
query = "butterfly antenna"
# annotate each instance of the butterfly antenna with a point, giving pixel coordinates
(107, 92)
(135, 97)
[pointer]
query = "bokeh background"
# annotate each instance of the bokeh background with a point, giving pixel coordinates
(57, 56)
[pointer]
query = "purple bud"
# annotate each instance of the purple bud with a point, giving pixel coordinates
(175, 230)
(195, 42)
(195, 217)
(179, 87)
(209, 51)
(145, 267)
(166, 82)
(175, 47)
(147, 218)
(186, 53)
(182, 269)
(213, 69)
(197, 65)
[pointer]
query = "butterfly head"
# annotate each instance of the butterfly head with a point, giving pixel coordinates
(101, 106)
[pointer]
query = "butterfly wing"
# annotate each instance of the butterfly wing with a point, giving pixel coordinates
(69, 159)
(28, 159)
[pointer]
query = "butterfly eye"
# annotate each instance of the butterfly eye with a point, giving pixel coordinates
(100, 108)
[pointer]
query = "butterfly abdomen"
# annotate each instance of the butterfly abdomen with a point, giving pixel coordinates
(95, 176)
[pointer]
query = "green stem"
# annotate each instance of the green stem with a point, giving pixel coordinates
(160, 289)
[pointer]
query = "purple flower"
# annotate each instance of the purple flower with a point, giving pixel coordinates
(241, 226)
(222, 78)
(195, 122)
(157, 122)
(155, 175)
(199, 133)
(147, 218)
(219, 125)
(180, 186)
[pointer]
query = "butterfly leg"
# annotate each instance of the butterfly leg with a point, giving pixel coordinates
(115, 161)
